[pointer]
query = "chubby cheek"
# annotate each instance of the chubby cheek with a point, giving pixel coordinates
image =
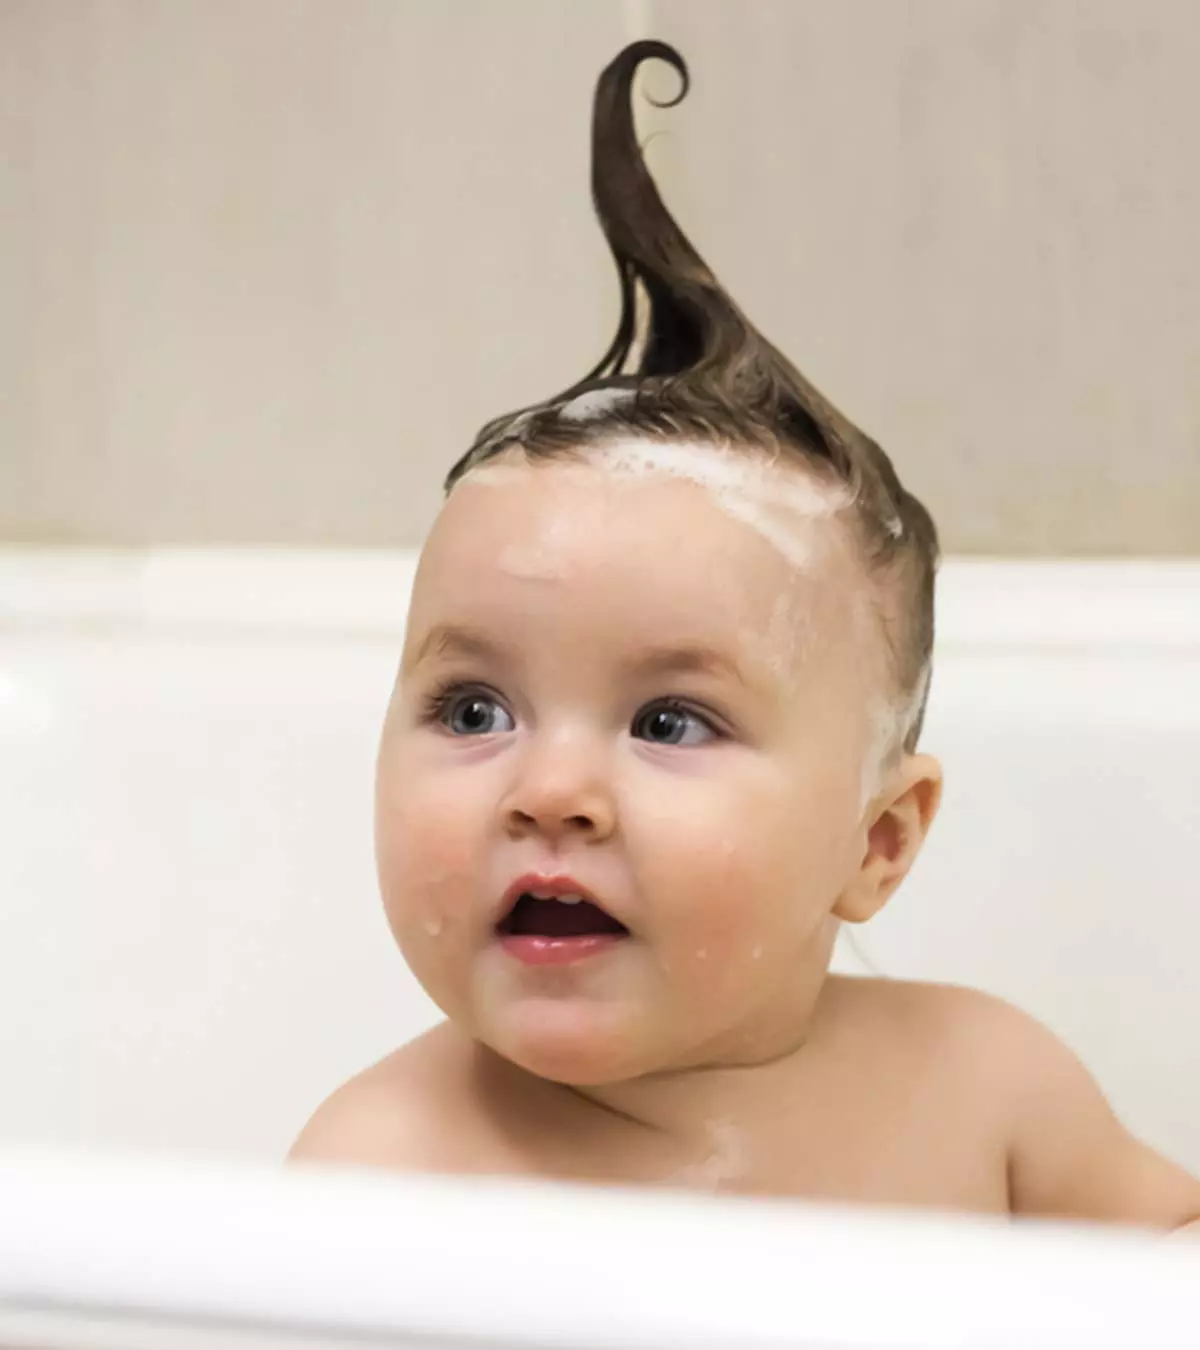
(430, 830)
(738, 875)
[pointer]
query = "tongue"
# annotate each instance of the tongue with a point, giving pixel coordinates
(551, 918)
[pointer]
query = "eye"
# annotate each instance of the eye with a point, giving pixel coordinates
(668, 723)
(474, 714)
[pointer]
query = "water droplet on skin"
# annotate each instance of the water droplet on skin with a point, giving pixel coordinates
(756, 954)
(433, 927)
(701, 954)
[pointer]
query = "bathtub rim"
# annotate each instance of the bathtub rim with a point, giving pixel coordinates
(190, 1241)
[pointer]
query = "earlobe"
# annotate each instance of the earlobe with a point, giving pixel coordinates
(896, 828)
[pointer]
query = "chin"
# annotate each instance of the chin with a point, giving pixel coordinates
(564, 1043)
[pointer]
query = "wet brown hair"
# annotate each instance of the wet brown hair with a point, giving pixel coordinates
(686, 364)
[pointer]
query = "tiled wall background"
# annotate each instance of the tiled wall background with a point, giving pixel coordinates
(265, 266)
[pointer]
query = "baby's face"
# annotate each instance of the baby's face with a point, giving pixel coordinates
(613, 687)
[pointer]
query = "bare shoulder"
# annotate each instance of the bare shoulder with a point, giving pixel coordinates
(974, 1044)
(990, 1045)
(1069, 1156)
(943, 1018)
(392, 1114)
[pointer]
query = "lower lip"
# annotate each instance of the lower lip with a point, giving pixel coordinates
(532, 950)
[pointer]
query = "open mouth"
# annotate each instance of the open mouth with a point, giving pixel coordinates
(558, 917)
(545, 930)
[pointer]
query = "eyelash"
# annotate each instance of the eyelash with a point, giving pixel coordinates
(437, 704)
(682, 706)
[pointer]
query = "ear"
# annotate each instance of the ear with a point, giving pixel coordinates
(897, 822)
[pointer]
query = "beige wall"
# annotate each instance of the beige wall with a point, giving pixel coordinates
(266, 264)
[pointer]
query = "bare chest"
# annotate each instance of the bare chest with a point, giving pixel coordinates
(884, 1141)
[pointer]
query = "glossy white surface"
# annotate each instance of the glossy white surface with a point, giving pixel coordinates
(105, 1252)
(191, 948)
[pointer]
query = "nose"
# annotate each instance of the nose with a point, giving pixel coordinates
(561, 790)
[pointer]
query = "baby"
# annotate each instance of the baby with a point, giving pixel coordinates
(653, 740)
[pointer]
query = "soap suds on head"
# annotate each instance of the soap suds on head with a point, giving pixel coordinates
(595, 403)
(779, 503)
(883, 726)
(891, 724)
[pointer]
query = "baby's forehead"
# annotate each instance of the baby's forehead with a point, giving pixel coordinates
(663, 509)
(755, 550)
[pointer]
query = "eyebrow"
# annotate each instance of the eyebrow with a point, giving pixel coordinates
(451, 640)
(688, 660)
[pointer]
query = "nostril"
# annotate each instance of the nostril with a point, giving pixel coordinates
(556, 819)
(527, 819)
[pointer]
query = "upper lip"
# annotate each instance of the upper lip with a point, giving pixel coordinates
(549, 887)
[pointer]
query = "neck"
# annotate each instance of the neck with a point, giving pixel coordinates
(706, 1125)
(738, 1080)
(737, 1074)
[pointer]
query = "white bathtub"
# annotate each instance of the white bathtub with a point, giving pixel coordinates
(107, 1255)
(191, 950)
